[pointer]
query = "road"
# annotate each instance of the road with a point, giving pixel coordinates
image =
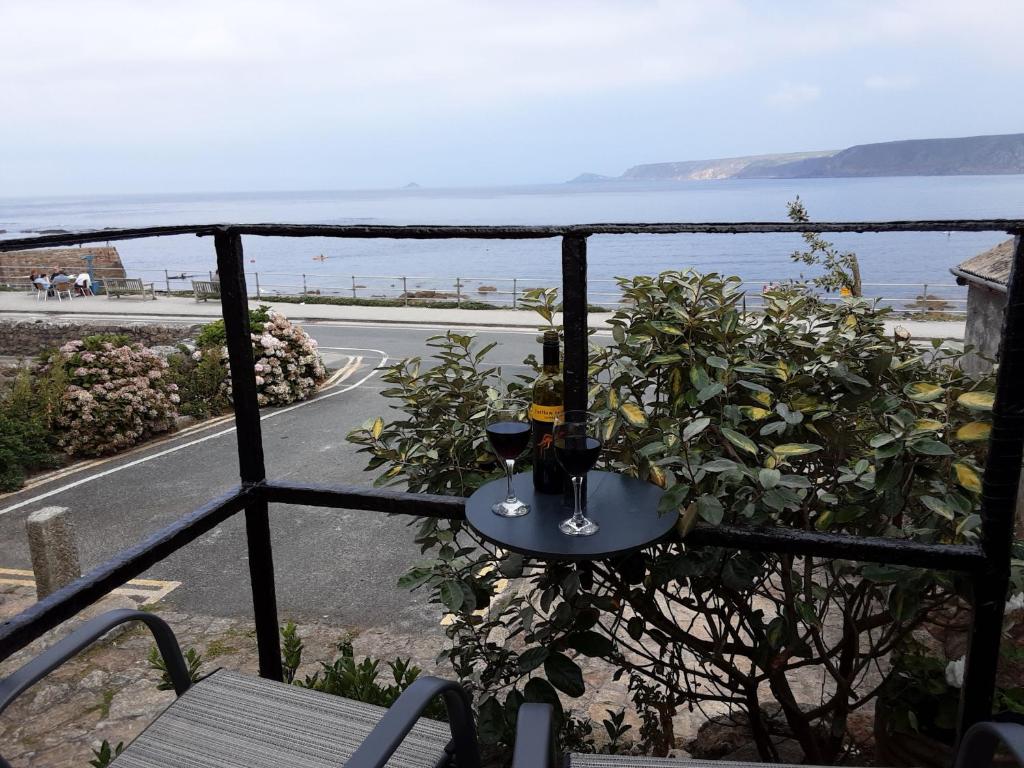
(338, 566)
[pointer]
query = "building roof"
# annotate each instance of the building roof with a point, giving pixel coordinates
(991, 268)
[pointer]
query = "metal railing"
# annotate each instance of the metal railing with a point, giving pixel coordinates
(492, 292)
(987, 564)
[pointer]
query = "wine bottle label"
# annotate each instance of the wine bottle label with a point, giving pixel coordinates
(546, 412)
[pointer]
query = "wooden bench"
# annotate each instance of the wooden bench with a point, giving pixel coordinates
(127, 286)
(206, 289)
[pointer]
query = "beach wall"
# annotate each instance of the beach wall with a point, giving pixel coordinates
(26, 338)
(15, 266)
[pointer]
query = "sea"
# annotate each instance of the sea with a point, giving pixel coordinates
(902, 265)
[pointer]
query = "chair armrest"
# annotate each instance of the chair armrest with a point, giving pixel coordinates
(535, 737)
(978, 745)
(84, 636)
(387, 735)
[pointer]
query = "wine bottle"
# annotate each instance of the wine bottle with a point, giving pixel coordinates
(548, 475)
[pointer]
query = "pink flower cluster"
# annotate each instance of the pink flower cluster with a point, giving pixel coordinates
(115, 397)
(288, 366)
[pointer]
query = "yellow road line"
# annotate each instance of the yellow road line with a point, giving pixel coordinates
(151, 590)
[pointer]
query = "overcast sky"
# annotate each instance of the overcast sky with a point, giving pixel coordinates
(134, 96)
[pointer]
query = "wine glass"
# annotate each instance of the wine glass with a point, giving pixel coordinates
(577, 445)
(508, 429)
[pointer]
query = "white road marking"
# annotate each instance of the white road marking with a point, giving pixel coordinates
(151, 590)
(175, 449)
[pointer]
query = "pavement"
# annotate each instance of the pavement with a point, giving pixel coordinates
(179, 307)
(339, 566)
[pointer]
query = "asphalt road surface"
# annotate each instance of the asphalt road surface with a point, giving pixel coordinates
(338, 566)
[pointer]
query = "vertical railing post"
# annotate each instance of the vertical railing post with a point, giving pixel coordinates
(303, 284)
(167, 280)
(998, 502)
(515, 293)
(257, 276)
(353, 286)
(574, 320)
(235, 309)
(405, 292)
(458, 292)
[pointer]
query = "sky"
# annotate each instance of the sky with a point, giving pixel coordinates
(124, 96)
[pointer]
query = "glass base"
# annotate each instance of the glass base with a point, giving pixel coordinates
(584, 527)
(510, 508)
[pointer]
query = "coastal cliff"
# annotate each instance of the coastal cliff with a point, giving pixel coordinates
(972, 155)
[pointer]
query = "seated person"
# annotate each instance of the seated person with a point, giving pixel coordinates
(83, 284)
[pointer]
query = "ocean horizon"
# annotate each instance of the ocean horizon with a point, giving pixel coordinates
(328, 265)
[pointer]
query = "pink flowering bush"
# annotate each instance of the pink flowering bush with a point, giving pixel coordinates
(287, 364)
(117, 394)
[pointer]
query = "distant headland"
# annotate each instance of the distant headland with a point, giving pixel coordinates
(971, 155)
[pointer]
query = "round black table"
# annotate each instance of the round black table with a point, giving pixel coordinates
(626, 509)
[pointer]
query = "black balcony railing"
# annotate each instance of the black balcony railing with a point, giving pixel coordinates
(987, 564)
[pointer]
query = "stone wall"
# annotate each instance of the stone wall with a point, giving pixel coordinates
(25, 338)
(985, 309)
(15, 266)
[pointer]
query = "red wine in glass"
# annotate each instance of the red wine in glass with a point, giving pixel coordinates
(509, 438)
(577, 453)
(577, 445)
(508, 430)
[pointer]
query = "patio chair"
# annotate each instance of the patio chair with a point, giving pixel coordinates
(62, 287)
(230, 719)
(42, 289)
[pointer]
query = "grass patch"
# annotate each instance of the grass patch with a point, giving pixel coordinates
(218, 648)
(104, 705)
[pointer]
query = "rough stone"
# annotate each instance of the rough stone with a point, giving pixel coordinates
(54, 551)
(164, 350)
(26, 338)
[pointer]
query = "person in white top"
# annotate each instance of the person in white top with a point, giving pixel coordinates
(83, 284)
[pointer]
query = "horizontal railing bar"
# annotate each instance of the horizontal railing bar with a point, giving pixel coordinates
(361, 497)
(953, 557)
(22, 629)
(420, 232)
(514, 232)
(876, 549)
(104, 235)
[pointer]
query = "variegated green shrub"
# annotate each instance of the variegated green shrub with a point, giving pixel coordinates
(807, 415)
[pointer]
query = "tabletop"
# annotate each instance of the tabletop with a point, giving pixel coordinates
(626, 509)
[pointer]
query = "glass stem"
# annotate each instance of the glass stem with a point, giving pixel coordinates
(509, 466)
(577, 486)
